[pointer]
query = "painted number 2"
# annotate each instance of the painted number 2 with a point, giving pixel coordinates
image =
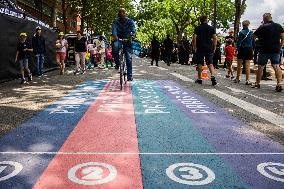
(92, 173)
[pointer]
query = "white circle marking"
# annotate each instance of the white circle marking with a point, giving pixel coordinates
(271, 167)
(94, 171)
(193, 175)
(17, 170)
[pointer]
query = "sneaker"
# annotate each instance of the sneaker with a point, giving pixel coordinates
(30, 77)
(198, 81)
(232, 78)
(227, 76)
(83, 72)
(213, 80)
(76, 72)
(279, 88)
(131, 79)
(23, 81)
(236, 80)
(248, 83)
(256, 86)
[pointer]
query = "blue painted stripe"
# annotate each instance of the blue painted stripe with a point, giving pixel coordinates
(163, 127)
(227, 134)
(46, 132)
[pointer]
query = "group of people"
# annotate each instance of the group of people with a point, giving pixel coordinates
(23, 54)
(85, 54)
(206, 49)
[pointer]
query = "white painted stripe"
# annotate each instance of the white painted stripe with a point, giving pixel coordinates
(261, 112)
(130, 153)
(182, 77)
(161, 68)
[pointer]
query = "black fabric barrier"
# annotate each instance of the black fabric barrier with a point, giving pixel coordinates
(10, 29)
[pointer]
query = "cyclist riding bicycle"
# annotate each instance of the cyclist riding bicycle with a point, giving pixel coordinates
(122, 28)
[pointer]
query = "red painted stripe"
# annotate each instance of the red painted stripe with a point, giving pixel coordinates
(107, 126)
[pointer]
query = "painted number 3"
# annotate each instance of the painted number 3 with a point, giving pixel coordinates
(193, 173)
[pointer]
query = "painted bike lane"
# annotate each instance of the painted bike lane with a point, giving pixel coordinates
(23, 155)
(100, 143)
(163, 128)
(255, 157)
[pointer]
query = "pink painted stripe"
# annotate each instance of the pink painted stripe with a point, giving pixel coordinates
(107, 126)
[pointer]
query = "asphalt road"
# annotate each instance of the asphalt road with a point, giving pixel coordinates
(161, 131)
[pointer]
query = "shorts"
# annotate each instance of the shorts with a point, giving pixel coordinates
(200, 58)
(245, 53)
(263, 59)
(24, 63)
(60, 56)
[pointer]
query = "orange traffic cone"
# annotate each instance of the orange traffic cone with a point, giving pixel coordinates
(204, 74)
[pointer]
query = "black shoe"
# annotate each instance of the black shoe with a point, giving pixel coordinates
(198, 81)
(236, 80)
(213, 80)
(227, 76)
(248, 83)
(168, 64)
(266, 79)
(279, 88)
(23, 81)
(256, 86)
(157, 65)
(131, 79)
(30, 78)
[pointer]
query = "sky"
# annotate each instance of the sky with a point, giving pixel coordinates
(256, 8)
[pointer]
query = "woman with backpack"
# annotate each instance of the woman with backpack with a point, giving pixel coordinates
(245, 43)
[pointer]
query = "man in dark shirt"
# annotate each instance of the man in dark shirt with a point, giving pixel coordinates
(269, 34)
(168, 45)
(38, 43)
(204, 44)
(155, 45)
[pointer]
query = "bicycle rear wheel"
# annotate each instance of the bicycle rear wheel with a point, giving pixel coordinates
(121, 60)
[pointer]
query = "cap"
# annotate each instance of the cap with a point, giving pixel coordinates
(61, 34)
(23, 34)
(38, 28)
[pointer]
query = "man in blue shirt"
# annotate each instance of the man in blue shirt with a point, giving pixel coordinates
(122, 28)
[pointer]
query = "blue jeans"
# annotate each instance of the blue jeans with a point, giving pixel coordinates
(39, 64)
(127, 51)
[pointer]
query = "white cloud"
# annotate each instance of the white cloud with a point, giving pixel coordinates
(256, 8)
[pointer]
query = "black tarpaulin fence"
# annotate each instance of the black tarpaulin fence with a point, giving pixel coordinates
(10, 28)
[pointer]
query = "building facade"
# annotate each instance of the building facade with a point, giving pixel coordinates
(50, 12)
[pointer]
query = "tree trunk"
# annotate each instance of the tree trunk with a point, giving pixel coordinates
(239, 5)
(54, 13)
(215, 14)
(64, 9)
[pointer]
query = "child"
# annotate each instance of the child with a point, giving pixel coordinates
(229, 53)
(61, 49)
(23, 56)
(101, 51)
(109, 58)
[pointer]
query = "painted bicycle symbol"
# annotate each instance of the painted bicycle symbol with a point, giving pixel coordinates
(190, 174)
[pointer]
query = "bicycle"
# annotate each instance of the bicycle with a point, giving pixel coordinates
(122, 62)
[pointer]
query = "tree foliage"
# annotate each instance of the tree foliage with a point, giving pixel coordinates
(180, 16)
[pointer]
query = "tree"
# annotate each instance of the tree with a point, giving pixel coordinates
(240, 6)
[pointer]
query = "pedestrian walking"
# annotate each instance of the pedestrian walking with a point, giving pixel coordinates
(109, 57)
(217, 55)
(204, 44)
(168, 49)
(245, 44)
(229, 54)
(80, 53)
(101, 52)
(271, 38)
(155, 52)
(61, 49)
(23, 55)
(39, 49)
